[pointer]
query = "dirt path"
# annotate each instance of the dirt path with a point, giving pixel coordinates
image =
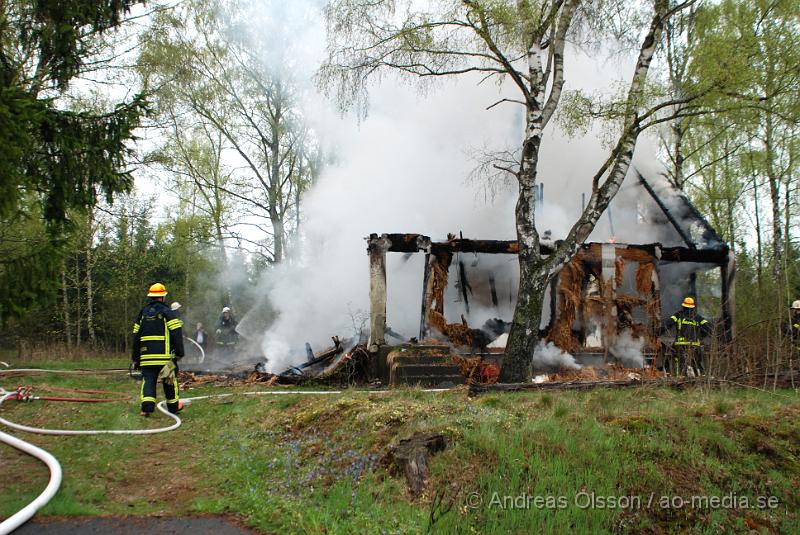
(135, 526)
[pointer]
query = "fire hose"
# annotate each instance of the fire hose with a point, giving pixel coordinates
(26, 513)
(202, 351)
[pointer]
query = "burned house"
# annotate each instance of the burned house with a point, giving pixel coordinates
(657, 249)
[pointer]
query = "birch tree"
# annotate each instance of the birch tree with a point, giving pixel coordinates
(246, 113)
(193, 154)
(523, 42)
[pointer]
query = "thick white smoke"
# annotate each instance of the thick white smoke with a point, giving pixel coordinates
(628, 350)
(405, 169)
(551, 357)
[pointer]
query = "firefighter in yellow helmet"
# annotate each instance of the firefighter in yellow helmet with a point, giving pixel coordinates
(690, 327)
(157, 345)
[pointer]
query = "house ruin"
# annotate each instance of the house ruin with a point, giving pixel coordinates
(610, 289)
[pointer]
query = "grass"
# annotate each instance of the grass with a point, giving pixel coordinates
(515, 463)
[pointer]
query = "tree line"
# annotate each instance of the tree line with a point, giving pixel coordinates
(221, 128)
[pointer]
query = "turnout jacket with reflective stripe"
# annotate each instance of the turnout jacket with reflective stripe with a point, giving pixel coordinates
(157, 334)
(689, 327)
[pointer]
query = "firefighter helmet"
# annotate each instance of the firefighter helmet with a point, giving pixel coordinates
(225, 309)
(175, 306)
(688, 302)
(796, 305)
(157, 290)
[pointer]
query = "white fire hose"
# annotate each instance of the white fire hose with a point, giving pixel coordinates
(24, 514)
(202, 351)
(27, 512)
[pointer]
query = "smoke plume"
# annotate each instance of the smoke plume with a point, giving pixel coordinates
(628, 350)
(405, 169)
(550, 357)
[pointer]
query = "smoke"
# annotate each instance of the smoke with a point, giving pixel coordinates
(628, 350)
(550, 357)
(405, 169)
(402, 170)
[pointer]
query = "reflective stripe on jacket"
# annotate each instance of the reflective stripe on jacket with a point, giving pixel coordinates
(157, 334)
(689, 328)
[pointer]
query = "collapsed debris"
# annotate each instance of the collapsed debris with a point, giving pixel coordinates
(605, 306)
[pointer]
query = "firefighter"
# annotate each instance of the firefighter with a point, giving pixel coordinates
(226, 334)
(157, 345)
(689, 327)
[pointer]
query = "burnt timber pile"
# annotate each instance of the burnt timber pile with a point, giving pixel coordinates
(606, 290)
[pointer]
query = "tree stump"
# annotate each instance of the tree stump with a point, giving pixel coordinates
(410, 457)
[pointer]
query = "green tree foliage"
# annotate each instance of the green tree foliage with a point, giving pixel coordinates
(129, 252)
(29, 260)
(741, 60)
(64, 158)
(235, 135)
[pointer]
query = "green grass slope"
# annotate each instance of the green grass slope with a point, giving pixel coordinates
(605, 461)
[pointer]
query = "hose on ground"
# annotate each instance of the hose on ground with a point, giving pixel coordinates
(23, 515)
(72, 432)
(27, 512)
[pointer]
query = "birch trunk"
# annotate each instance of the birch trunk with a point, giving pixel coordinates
(759, 245)
(536, 272)
(775, 199)
(275, 191)
(524, 334)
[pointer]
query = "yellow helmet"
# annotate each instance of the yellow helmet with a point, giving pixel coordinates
(157, 290)
(688, 302)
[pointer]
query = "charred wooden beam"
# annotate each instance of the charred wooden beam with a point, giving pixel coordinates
(667, 213)
(376, 248)
(463, 284)
(404, 243)
(704, 256)
(426, 297)
(476, 246)
(411, 243)
(728, 277)
(332, 352)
